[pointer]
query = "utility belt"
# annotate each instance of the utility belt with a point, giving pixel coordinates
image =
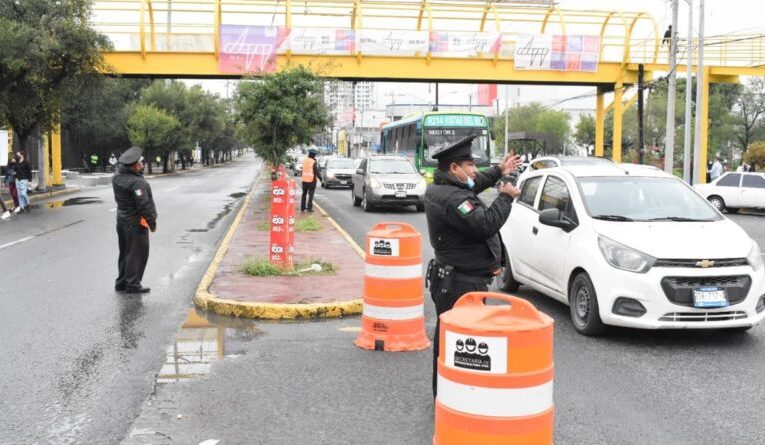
(442, 278)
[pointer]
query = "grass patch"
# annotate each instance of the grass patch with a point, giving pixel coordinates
(262, 267)
(307, 224)
(264, 226)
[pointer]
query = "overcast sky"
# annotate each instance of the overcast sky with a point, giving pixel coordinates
(722, 17)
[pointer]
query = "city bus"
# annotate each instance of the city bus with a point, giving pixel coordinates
(418, 136)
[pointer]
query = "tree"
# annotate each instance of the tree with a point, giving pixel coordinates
(750, 106)
(584, 132)
(535, 118)
(44, 47)
(281, 110)
(755, 156)
(152, 129)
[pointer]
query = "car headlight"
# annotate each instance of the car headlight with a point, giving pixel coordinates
(375, 183)
(625, 258)
(330, 175)
(755, 257)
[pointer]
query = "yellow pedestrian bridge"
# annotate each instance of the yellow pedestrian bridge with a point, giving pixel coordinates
(384, 40)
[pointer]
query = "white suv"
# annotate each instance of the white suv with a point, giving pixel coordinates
(632, 247)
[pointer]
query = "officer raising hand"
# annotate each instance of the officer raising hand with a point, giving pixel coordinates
(464, 231)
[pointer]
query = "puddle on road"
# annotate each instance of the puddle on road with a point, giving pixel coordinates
(79, 201)
(238, 195)
(203, 339)
(214, 222)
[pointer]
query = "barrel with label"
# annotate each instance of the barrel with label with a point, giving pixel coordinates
(393, 318)
(495, 373)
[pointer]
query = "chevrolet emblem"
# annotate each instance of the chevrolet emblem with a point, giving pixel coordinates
(705, 263)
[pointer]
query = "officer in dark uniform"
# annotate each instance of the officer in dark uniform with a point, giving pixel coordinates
(464, 232)
(136, 215)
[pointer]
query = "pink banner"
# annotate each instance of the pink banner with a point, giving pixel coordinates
(249, 49)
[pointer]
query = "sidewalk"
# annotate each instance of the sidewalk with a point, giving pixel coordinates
(227, 291)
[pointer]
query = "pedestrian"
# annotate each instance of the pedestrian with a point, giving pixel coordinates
(136, 216)
(113, 162)
(667, 39)
(23, 176)
(10, 180)
(309, 178)
(93, 162)
(716, 170)
(6, 213)
(464, 231)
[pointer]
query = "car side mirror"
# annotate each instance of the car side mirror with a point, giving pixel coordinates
(360, 171)
(555, 218)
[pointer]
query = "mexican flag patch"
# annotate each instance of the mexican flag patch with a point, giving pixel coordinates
(466, 207)
(139, 193)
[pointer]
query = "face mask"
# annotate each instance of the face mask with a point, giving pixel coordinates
(469, 181)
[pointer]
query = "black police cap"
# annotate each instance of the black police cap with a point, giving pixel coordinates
(459, 151)
(131, 156)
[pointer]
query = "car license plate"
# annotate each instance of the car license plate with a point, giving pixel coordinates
(401, 194)
(709, 297)
(343, 182)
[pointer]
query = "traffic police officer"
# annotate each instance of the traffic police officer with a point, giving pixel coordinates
(136, 215)
(464, 232)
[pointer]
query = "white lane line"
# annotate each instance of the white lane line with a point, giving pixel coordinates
(113, 209)
(22, 240)
(173, 188)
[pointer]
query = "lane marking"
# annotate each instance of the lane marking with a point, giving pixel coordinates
(173, 188)
(113, 210)
(23, 240)
(16, 242)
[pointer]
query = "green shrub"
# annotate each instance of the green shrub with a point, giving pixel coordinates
(308, 224)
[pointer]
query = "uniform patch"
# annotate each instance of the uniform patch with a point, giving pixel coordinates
(139, 193)
(466, 207)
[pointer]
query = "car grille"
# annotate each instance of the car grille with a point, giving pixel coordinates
(343, 177)
(703, 316)
(399, 186)
(679, 290)
(725, 262)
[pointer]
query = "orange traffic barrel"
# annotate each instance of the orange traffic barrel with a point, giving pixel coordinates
(393, 316)
(495, 373)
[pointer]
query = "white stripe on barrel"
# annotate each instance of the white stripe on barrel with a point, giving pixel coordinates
(394, 313)
(394, 272)
(495, 402)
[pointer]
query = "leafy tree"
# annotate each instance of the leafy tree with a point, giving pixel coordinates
(207, 116)
(45, 46)
(535, 118)
(750, 108)
(584, 132)
(281, 110)
(755, 156)
(152, 129)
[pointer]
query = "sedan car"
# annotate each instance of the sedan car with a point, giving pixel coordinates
(559, 161)
(337, 172)
(632, 247)
(733, 191)
(389, 181)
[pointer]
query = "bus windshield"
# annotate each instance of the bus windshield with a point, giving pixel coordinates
(438, 138)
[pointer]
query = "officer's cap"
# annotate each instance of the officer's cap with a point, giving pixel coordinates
(459, 151)
(131, 156)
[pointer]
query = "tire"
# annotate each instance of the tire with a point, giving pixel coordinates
(506, 281)
(365, 205)
(420, 207)
(583, 303)
(356, 201)
(717, 202)
(323, 184)
(732, 210)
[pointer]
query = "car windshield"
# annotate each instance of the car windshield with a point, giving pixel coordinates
(391, 166)
(631, 198)
(340, 163)
(584, 161)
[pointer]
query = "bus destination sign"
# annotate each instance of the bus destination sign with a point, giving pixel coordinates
(454, 120)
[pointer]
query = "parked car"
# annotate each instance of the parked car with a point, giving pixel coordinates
(338, 171)
(387, 180)
(558, 161)
(299, 165)
(733, 191)
(631, 247)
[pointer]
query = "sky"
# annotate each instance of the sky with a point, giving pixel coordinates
(722, 17)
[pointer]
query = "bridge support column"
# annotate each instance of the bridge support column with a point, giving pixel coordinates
(600, 121)
(701, 173)
(55, 139)
(616, 143)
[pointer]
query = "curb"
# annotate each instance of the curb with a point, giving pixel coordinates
(206, 300)
(46, 195)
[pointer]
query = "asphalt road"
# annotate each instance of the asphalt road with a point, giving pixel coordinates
(306, 383)
(78, 358)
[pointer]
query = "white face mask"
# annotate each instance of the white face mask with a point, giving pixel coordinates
(469, 181)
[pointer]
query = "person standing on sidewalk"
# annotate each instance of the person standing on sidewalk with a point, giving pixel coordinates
(113, 162)
(464, 232)
(309, 178)
(136, 215)
(23, 176)
(6, 213)
(10, 180)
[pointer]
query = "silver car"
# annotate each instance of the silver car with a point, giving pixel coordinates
(337, 171)
(387, 181)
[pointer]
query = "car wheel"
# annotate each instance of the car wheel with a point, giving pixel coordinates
(365, 205)
(323, 184)
(717, 202)
(732, 210)
(583, 303)
(420, 207)
(356, 201)
(506, 281)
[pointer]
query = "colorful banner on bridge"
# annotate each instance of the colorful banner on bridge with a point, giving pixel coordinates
(249, 49)
(464, 44)
(557, 52)
(392, 43)
(321, 41)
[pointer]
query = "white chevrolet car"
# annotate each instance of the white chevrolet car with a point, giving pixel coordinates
(632, 247)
